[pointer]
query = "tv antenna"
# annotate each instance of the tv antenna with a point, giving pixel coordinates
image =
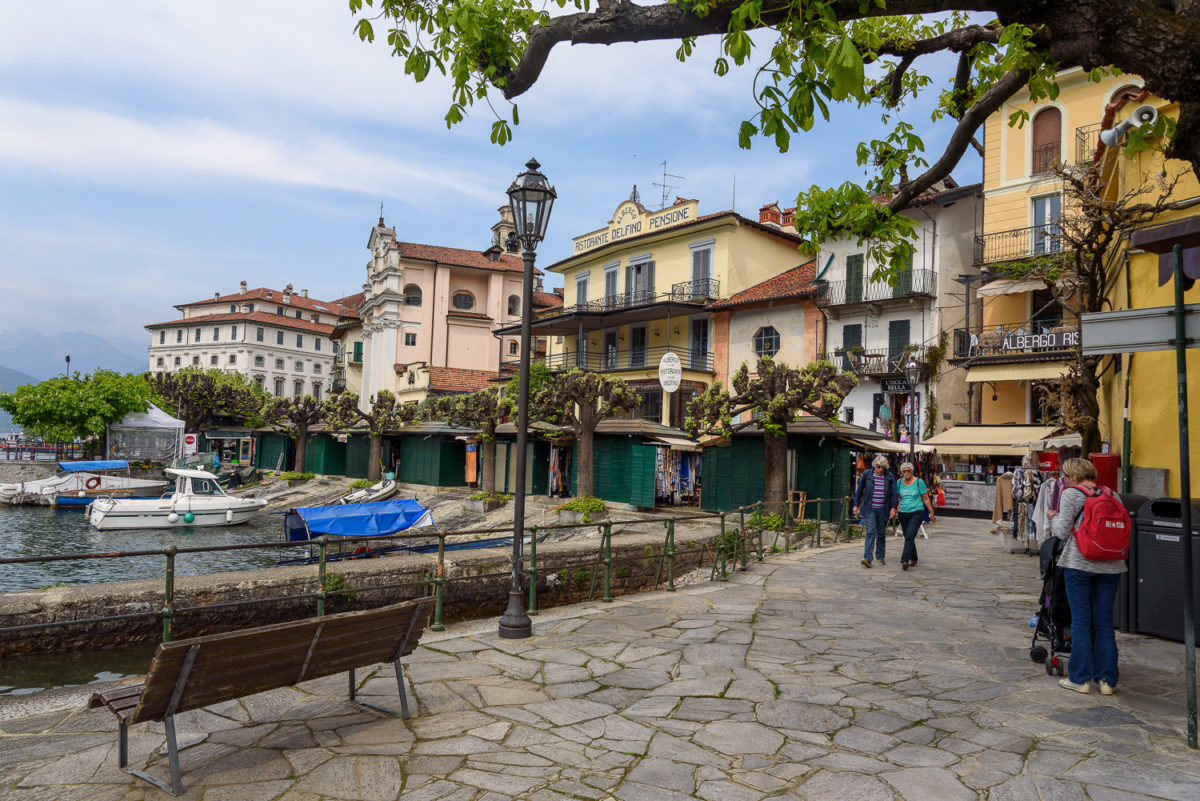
(666, 188)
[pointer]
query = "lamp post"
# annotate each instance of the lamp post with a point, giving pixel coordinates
(530, 197)
(912, 374)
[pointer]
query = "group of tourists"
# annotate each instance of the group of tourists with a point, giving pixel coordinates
(879, 497)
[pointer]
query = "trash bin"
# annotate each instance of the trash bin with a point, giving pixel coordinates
(1158, 565)
(1124, 615)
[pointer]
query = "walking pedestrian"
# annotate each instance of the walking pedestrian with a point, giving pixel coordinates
(1091, 586)
(913, 504)
(875, 502)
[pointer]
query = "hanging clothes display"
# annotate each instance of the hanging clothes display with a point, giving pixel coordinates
(559, 485)
(676, 477)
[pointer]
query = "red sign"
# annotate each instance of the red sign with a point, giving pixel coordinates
(1048, 460)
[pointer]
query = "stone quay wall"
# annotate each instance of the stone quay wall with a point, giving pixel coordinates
(13, 472)
(477, 584)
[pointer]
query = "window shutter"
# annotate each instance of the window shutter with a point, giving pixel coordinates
(904, 279)
(898, 333)
(650, 278)
(854, 279)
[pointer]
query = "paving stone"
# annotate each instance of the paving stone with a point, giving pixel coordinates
(665, 773)
(931, 783)
(370, 778)
(1122, 774)
(864, 740)
(920, 756)
(739, 738)
(828, 785)
(785, 714)
(567, 711)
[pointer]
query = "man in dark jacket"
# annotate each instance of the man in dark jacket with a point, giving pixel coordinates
(875, 501)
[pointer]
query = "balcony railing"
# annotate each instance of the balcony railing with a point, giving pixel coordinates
(1018, 243)
(699, 291)
(871, 362)
(1087, 139)
(627, 359)
(1045, 157)
(908, 284)
(1015, 339)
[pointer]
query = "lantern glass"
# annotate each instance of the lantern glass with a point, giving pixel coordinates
(531, 198)
(912, 373)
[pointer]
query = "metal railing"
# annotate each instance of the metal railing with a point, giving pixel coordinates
(699, 291)
(871, 362)
(1045, 157)
(731, 546)
(1018, 243)
(36, 450)
(908, 283)
(1087, 139)
(1016, 338)
(628, 359)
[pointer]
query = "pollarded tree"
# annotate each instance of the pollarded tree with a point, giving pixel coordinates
(580, 399)
(483, 409)
(197, 396)
(294, 417)
(342, 413)
(772, 397)
(64, 409)
(819, 53)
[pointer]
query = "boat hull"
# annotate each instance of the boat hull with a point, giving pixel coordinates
(108, 515)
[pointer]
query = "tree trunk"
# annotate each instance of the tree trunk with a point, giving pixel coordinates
(775, 495)
(374, 457)
(487, 479)
(583, 470)
(301, 444)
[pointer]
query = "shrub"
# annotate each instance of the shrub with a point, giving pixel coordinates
(292, 475)
(491, 497)
(337, 582)
(361, 483)
(584, 504)
(772, 521)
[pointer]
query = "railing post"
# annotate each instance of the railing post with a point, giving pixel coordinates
(820, 517)
(439, 585)
(761, 514)
(606, 549)
(722, 549)
(168, 610)
(533, 571)
(321, 578)
(669, 549)
(742, 536)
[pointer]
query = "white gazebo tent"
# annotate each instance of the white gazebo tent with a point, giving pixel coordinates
(152, 436)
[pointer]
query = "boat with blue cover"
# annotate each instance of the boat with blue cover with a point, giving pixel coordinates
(344, 523)
(80, 483)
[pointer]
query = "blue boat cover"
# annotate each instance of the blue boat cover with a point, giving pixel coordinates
(374, 519)
(106, 464)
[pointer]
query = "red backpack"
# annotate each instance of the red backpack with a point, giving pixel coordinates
(1105, 528)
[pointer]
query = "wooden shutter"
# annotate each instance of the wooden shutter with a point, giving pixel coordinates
(1047, 139)
(854, 278)
(898, 333)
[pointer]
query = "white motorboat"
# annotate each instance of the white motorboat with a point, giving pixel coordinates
(376, 492)
(80, 483)
(198, 500)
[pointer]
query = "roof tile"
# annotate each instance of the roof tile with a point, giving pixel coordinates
(250, 317)
(795, 283)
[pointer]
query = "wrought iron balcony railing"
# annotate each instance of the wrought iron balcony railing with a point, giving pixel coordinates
(1045, 157)
(1087, 139)
(1018, 243)
(1015, 339)
(871, 362)
(625, 359)
(701, 290)
(908, 284)
(698, 292)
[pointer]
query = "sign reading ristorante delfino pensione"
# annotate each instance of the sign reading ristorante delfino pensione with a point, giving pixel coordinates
(632, 220)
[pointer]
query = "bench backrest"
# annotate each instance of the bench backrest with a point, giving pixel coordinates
(223, 667)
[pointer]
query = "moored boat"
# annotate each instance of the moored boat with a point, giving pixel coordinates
(376, 492)
(80, 483)
(344, 523)
(198, 500)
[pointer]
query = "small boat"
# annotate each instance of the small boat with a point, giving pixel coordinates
(80, 483)
(376, 492)
(198, 500)
(351, 521)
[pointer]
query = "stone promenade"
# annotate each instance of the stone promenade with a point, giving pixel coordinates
(805, 677)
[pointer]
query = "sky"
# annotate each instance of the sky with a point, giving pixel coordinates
(153, 153)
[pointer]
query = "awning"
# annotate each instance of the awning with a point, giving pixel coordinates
(676, 444)
(1010, 286)
(1006, 440)
(1035, 371)
(1052, 443)
(887, 446)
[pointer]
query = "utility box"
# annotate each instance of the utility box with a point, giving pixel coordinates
(1158, 567)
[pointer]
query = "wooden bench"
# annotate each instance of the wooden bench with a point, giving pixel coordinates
(200, 671)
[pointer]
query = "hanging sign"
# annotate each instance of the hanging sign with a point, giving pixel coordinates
(670, 371)
(894, 386)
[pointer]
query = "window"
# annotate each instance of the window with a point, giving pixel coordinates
(298, 317)
(514, 305)
(162, 337)
(162, 362)
(851, 342)
(639, 281)
(279, 364)
(317, 368)
(232, 308)
(299, 340)
(412, 295)
(701, 268)
(766, 341)
(258, 379)
(699, 334)
(513, 348)
(177, 361)
(637, 346)
(196, 360)
(298, 389)
(258, 334)
(651, 405)
(317, 344)
(197, 334)
(610, 281)
(233, 358)
(250, 307)
(212, 360)
(299, 367)
(581, 289)
(357, 352)
(1046, 137)
(279, 310)
(316, 390)
(216, 334)
(278, 337)
(279, 387)
(410, 339)
(259, 361)
(1047, 211)
(179, 335)
(233, 332)
(898, 340)
(610, 349)
(463, 301)
(336, 350)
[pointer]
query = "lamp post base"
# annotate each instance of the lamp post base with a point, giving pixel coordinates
(515, 624)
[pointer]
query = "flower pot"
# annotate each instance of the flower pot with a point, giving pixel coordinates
(576, 518)
(482, 507)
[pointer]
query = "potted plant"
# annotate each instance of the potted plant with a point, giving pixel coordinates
(582, 510)
(483, 502)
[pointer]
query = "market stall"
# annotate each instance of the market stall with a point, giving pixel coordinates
(974, 459)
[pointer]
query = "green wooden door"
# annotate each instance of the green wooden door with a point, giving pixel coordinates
(643, 462)
(358, 456)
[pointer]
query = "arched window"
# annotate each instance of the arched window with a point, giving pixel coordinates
(412, 295)
(766, 341)
(514, 305)
(1047, 140)
(463, 301)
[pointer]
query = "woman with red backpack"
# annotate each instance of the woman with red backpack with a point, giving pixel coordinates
(1096, 529)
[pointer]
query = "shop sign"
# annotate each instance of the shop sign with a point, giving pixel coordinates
(670, 372)
(632, 220)
(894, 386)
(1048, 460)
(1050, 340)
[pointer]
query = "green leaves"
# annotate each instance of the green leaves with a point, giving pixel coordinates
(65, 409)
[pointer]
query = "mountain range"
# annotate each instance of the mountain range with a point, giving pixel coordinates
(43, 356)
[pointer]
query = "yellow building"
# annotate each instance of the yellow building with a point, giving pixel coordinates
(637, 287)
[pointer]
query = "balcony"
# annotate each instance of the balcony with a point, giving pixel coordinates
(871, 362)
(618, 360)
(1017, 243)
(910, 283)
(698, 292)
(701, 290)
(1045, 157)
(1010, 342)
(1087, 139)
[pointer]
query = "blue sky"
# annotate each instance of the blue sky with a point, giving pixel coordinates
(153, 153)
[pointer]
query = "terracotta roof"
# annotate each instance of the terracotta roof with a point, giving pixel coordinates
(457, 379)
(350, 304)
(467, 315)
(248, 317)
(546, 300)
(458, 257)
(274, 296)
(795, 283)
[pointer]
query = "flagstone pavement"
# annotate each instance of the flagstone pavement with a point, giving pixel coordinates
(804, 677)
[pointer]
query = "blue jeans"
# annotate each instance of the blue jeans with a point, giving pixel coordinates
(875, 531)
(911, 522)
(1093, 639)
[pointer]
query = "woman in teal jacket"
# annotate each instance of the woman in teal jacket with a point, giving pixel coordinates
(914, 501)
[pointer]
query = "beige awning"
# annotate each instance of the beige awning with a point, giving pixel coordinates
(676, 444)
(1035, 371)
(1010, 286)
(887, 446)
(1007, 440)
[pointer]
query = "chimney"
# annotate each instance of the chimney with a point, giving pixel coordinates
(304, 293)
(287, 294)
(270, 295)
(243, 287)
(770, 215)
(789, 218)
(216, 296)
(537, 284)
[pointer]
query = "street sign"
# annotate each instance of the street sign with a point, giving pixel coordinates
(1135, 330)
(189, 444)
(670, 371)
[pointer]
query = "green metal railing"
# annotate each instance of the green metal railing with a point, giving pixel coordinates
(731, 553)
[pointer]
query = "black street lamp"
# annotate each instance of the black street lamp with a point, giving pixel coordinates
(912, 374)
(530, 197)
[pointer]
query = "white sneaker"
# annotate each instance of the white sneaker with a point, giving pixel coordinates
(1070, 685)
(1106, 688)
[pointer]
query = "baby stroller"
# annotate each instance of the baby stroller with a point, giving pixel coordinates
(1052, 623)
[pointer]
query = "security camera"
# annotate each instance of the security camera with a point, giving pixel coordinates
(1140, 116)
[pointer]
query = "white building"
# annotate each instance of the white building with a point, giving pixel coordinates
(279, 339)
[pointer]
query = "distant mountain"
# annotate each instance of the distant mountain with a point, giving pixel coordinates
(10, 380)
(42, 356)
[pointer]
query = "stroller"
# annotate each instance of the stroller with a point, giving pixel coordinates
(1052, 623)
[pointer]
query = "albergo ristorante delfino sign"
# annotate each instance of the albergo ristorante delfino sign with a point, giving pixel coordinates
(632, 220)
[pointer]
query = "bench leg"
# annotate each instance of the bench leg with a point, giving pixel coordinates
(176, 786)
(353, 685)
(400, 687)
(123, 746)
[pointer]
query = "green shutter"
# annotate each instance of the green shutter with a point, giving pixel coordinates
(854, 278)
(358, 351)
(641, 476)
(898, 339)
(904, 278)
